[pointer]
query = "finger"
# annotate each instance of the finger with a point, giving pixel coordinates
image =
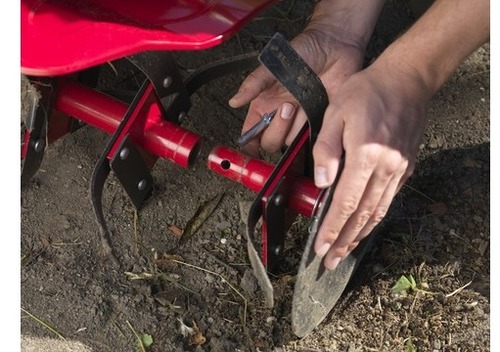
(274, 137)
(252, 147)
(377, 216)
(255, 83)
(328, 149)
(349, 191)
(331, 260)
(383, 181)
(298, 122)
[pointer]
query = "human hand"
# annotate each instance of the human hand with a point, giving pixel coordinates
(375, 120)
(331, 53)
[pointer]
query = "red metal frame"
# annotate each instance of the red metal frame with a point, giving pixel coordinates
(63, 37)
(253, 174)
(148, 129)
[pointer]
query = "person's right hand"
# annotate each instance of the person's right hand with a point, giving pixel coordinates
(332, 54)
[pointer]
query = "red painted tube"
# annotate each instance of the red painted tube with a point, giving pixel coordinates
(158, 136)
(238, 167)
(253, 174)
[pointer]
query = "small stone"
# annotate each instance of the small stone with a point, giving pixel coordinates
(64, 222)
(269, 320)
(249, 282)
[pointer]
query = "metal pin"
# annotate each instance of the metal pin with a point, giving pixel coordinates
(256, 129)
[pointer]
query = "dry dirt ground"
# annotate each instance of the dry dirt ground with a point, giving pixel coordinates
(436, 233)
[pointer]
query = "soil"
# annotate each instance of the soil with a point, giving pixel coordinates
(437, 233)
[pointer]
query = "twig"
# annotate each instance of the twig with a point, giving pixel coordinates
(422, 194)
(224, 281)
(139, 340)
(458, 290)
(38, 320)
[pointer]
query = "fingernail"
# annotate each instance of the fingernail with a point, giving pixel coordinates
(287, 111)
(320, 176)
(234, 99)
(323, 249)
(334, 263)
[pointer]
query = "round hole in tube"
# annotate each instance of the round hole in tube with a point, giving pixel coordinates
(225, 164)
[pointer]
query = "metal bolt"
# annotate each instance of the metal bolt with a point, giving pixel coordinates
(124, 153)
(167, 81)
(279, 200)
(141, 186)
(182, 115)
(39, 146)
(277, 250)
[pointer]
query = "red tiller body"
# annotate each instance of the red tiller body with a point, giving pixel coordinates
(61, 36)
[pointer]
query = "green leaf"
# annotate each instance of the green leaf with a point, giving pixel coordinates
(403, 284)
(147, 340)
(413, 283)
(409, 347)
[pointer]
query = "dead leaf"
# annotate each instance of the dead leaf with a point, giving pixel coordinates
(167, 261)
(438, 208)
(197, 337)
(175, 230)
(202, 214)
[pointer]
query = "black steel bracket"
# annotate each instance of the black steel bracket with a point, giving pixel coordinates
(276, 215)
(161, 70)
(36, 128)
(132, 171)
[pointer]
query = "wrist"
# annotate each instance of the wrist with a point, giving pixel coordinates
(434, 47)
(348, 21)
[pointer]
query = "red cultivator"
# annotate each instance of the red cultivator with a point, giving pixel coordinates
(64, 41)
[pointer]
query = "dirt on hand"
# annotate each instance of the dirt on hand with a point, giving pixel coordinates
(423, 286)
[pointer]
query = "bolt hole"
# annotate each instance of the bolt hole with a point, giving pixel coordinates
(225, 164)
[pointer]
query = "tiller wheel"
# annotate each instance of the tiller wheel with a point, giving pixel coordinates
(149, 128)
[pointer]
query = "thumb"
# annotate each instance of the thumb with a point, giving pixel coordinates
(327, 150)
(255, 83)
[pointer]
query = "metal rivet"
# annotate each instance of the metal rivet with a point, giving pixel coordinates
(279, 200)
(182, 115)
(141, 186)
(277, 250)
(124, 153)
(167, 81)
(39, 146)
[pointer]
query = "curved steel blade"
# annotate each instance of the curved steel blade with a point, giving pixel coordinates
(317, 289)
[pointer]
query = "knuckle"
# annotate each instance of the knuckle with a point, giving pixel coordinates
(361, 220)
(340, 251)
(378, 215)
(330, 234)
(393, 163)
(321, 149)
(371, 155)
(347, 208)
